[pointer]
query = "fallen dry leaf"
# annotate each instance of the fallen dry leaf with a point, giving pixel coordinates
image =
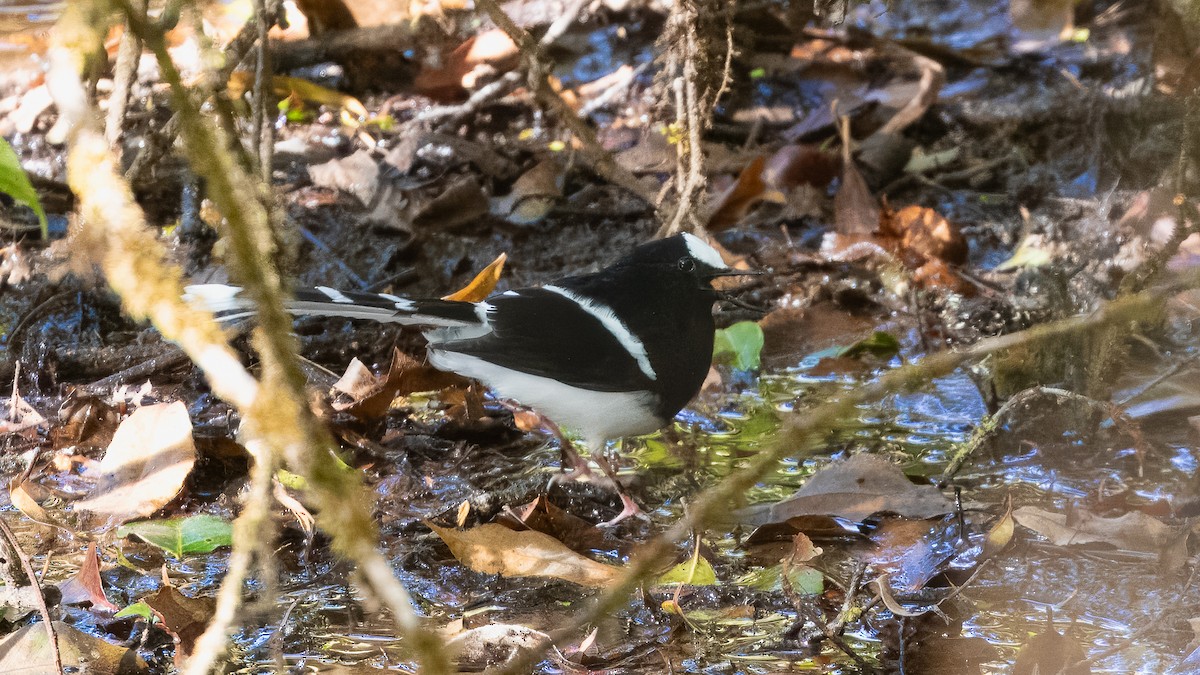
(736, 200)
(493, 48)
(85, 585)
(574, 532)
(855, 210)
(28, 651)
(533, 194)
(798, 164)
(357, 174)
(370, 396)
(144, 468)
(853, 489)
(460, 203)
(923, 230)
(1134, 531)
(495, 549)
(483, 284)
(183, 618)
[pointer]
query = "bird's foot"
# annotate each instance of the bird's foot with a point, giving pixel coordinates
(629, 508)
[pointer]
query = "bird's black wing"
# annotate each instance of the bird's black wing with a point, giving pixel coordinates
(543, 333)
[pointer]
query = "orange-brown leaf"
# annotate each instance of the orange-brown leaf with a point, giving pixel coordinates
(925, 231)
(739, 197)
(483, 284)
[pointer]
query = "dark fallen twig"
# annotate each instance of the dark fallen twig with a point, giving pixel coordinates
(172, 357)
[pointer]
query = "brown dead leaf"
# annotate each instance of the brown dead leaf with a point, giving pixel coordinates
(28, 651)
(493, 48)
(483, 284)
(533, 194)
(144, 468)
(853, 489)
(371, 396)
(912, 552)
(357, 174)
(1133, 531)
(460, 203)
(798, 164)
(27, 497)
(938, 274)
(495, 549)
(183, 618)
(574, 532)
(732, 204)
(923, 230)
(17, 416)
(85, 585)
(855, 210)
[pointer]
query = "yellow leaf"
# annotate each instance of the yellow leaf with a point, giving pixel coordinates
(483, 283)
(241, 81)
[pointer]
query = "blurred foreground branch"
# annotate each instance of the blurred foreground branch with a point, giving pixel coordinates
(277, 424)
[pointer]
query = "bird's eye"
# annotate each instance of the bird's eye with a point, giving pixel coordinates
(687, 264)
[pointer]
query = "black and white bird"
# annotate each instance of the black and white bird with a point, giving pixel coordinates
(606, 355)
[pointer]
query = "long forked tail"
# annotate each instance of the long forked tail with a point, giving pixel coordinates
(229, 302)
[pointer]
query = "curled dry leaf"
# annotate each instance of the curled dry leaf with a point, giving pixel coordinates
(736, 200)
(86, 586)
(923, 230)
(144, 468)
(493, 48)
(357, 174)
(855, 210)
(370, 396)
(495, 549)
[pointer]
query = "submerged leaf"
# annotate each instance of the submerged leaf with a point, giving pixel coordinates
(853, 489)
(28, 651)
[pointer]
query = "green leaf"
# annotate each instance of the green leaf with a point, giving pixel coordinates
(741, 343)
(138, 608)
(880, 344)
(182, 536)
(15, 182)
(704, 575)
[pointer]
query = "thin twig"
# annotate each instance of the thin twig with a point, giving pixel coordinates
(27, 566)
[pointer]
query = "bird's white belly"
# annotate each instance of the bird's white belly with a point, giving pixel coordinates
(595, 415)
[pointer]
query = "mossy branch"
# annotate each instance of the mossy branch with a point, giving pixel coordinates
(277, 423)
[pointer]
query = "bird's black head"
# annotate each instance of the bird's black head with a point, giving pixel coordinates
(681, 254)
